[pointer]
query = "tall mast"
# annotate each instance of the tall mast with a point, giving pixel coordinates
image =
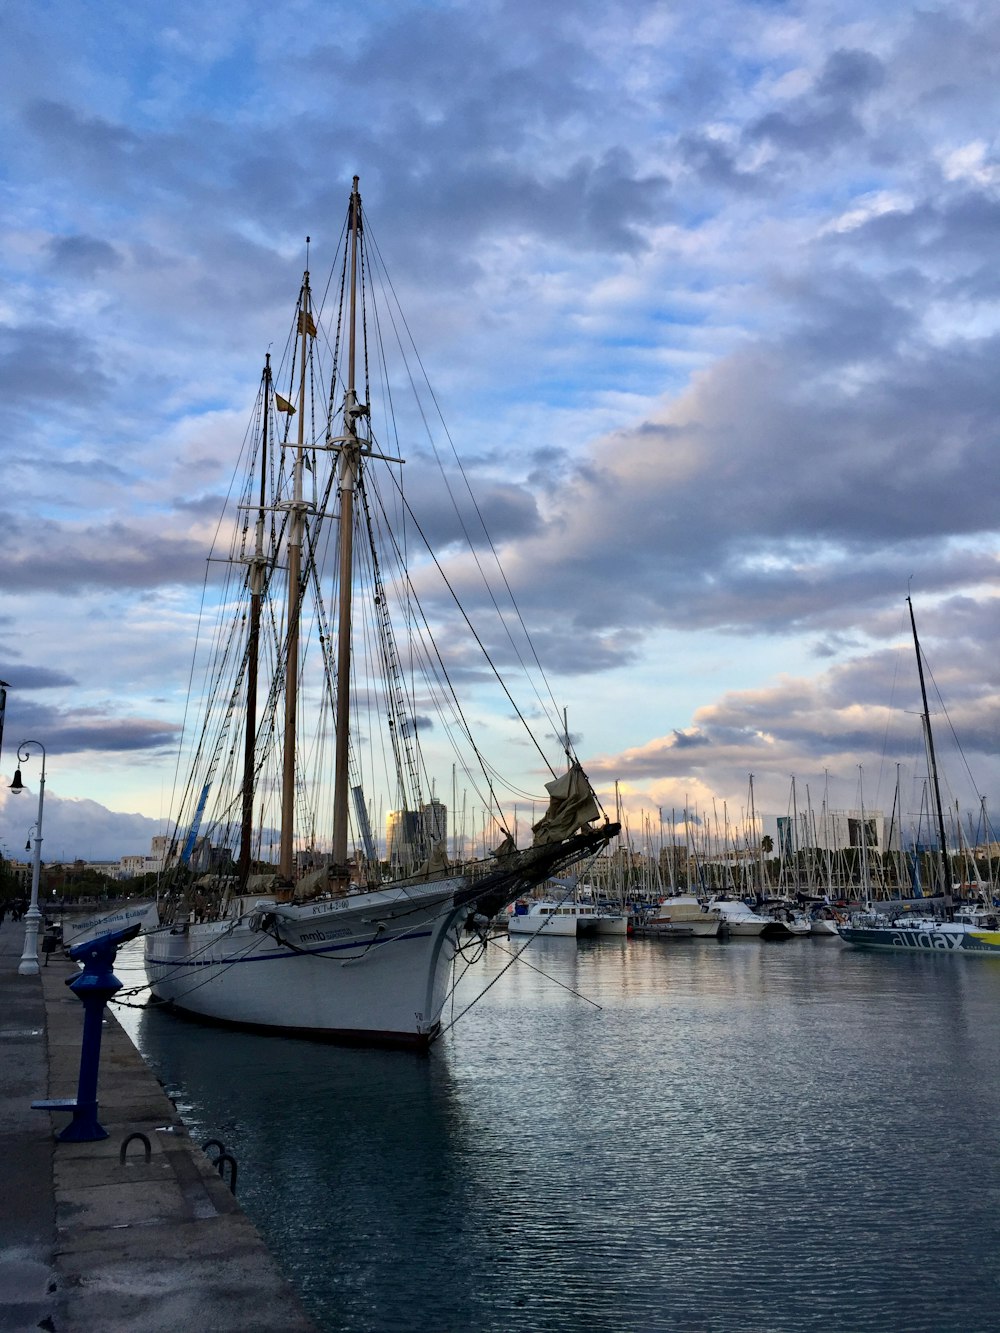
(795, 836)
(759, 841)
(984, 826)
(810, 827)
(286, 862)
(257, 564)
(865, 872)
(674, 853)
(893, 834)
(932, 763)
(350, 460)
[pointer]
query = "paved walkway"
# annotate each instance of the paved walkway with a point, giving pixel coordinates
(89, 1244)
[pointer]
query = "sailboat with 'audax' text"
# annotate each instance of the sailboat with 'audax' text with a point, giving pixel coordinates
(971, 929)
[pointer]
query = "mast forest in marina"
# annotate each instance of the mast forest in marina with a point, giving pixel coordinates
(277, 910)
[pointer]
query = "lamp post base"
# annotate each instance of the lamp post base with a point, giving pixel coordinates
(84, 1127)
(28, 966)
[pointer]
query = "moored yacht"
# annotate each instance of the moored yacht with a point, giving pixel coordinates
(683, 914)
(875, 930)
(966, 928)
(577, 919)
(825, 920)
(738, 918)
(785, 919)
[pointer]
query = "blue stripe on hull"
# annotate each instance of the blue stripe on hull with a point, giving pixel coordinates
(165, 960)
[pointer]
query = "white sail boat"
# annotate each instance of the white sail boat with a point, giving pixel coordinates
(969, 931)
(266, 919)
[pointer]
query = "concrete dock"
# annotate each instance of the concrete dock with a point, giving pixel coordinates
(88, 1242)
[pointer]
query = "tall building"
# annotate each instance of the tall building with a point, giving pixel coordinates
(403, 838)
(159, 848)
(434, 818)
(837, 831)
(411, 834)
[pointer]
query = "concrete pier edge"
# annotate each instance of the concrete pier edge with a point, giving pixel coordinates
(88, 1242)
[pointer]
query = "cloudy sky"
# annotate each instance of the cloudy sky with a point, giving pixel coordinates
(709, 295)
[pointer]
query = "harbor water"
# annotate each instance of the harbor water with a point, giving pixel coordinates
(629, 1135)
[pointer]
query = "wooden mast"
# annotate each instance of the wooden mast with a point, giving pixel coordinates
(932, 764)
(350, 457)
(286, 861)
(257, 564)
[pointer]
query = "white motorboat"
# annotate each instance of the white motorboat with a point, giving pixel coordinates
(737, 918)
(784, 920)
(547, 916)
(683, 914)
(825, 920)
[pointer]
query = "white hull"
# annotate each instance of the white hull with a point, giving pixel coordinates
(612, 925)
(738, 919)
(705, 929)
(687, 915)
(799, 925)
(663, 926)
(568, 919)
(548, 925)
(823, 926)
(369, 967)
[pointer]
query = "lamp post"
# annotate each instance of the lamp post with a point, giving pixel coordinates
(28, 966)
(3, 708)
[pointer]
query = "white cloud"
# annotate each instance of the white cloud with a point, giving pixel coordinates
(867, 207)
(710, 291)
(969, 163)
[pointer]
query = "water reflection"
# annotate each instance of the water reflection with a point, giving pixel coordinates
(719, 1137)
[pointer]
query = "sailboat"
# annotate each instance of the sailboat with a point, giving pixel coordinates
(969, 930)
(279, 910)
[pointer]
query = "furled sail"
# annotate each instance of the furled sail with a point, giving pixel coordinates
(436, 864)
(572, 806)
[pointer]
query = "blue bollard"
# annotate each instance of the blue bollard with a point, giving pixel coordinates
(94, 986)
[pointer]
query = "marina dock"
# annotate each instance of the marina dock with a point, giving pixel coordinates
(88, 1241)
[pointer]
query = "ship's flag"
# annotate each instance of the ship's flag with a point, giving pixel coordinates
(306, 323)
(283, 405)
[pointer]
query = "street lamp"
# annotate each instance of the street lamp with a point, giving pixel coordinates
(28, 966)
